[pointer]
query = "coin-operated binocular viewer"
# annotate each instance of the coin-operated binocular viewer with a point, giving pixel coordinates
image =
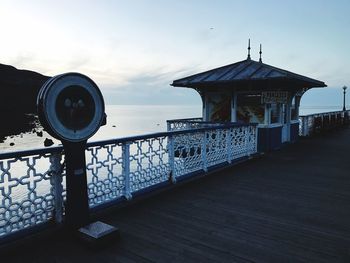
(71, 109)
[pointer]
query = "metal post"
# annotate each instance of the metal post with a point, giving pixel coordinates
(168, 126)
(171, 155)
(288, 118)
(126, 169)
(77, 203)
(246, 137)
(344, 88)
(204, 151)
(56, 185)
(228, 145)
(305, 125)
(256, 130)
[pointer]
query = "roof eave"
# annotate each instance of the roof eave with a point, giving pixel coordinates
(311, 83)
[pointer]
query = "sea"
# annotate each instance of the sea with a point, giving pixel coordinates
(129, 120)
(122, 121)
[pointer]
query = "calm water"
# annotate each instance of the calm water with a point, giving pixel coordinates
(122, 121)
(130, 120)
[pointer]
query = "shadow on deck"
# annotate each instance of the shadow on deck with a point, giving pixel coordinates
(291, 205)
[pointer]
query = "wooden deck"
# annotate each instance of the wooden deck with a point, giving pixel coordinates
(291, 205)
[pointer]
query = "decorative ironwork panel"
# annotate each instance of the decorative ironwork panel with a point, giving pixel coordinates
(148, 162)
(104, 173)
(251, 137)
(32, 190)
(312, 123)
(27, 191)
(216, 147)
(238, 142)
(187, 153)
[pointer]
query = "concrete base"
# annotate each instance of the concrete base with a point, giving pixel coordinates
(98, 233)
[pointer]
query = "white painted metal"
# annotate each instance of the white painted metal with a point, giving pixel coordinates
(116, 168)
(126, 169)
(308, 125)
(267, 114)
(234, 107)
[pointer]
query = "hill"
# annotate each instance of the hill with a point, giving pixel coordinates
(18, 92)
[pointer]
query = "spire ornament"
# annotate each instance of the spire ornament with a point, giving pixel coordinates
(260, 52)
(248, 58)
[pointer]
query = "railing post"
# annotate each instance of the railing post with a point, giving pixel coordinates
(256, 131)
(307, 128)
(307, 125)
(246, 137)
(171, 154)
(168, 126)
(56, 185)
(126, 169)
(228, 145)
(204, 151)
(301, 126)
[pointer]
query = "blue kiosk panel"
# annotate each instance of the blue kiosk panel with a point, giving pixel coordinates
(269, 138)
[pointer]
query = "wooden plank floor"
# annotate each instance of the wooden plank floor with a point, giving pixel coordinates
(292, 205)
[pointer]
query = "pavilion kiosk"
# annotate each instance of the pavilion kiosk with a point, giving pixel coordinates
(253, 92)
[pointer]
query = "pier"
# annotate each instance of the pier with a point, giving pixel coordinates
(289, 205)
(234, 185)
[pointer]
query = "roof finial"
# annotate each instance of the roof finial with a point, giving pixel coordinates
(248, 58)
(260, 52)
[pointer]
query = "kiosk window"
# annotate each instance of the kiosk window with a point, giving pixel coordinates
(249, 108)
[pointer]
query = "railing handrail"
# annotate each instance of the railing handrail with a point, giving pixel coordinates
(198, 120)
(185, 119)
(166, 133)
(38, 151)
(16, 154)
(322, 113)
(317, 122)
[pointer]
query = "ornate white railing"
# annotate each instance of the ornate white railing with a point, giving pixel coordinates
(309, 124)
(32, 191)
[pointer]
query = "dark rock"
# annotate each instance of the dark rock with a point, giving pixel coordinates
(18, 92)
(39, 134)
(48, 142)
(12, 144)
(113, 126)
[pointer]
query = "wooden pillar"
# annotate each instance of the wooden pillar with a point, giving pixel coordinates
(288, 118)
(280, 112)
(205, 110)
(204, 107)
(297, 105)
(267, 114)
(234, 107)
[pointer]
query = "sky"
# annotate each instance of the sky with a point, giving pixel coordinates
(134, 49)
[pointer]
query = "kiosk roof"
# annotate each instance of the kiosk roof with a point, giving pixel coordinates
(247, 72)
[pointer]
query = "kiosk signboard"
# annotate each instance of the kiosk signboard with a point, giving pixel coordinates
(274, 97)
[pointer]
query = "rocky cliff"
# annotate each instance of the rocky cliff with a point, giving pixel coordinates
(18, 92)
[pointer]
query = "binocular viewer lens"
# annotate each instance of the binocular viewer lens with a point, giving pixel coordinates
(75, 108)
(71, 107)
